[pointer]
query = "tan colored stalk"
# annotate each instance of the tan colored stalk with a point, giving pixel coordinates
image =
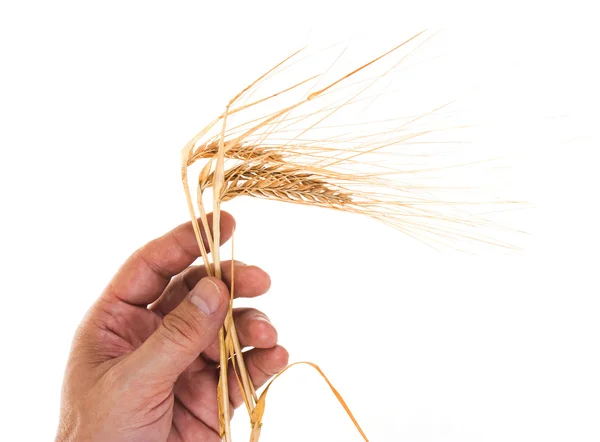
(224, 412)
(241, 371)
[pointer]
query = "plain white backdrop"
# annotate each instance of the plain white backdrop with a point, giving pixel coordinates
(97, 99)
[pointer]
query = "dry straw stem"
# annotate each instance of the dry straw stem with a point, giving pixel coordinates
(306, 150)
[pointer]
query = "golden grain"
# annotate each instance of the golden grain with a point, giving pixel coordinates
(283, 156)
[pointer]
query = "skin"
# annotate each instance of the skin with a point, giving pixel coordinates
(144, 361)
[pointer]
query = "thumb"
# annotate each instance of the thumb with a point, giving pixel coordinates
(184, 333)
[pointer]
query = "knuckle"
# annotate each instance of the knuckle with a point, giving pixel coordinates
(180, 330)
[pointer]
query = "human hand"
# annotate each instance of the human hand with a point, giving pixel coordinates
(139, 373)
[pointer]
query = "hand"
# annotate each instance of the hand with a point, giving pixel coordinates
(138, 373)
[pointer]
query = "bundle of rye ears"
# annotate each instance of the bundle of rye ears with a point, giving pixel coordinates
(293, 153)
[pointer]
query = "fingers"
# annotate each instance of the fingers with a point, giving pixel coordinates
(201, 422)
(262, 364)
(250, 281)
(183, 334)
(147, 272)
(254, 330)
(197, 391)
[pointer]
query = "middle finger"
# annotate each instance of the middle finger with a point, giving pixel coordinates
(254, 329)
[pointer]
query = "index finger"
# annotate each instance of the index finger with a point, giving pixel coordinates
(146, 273)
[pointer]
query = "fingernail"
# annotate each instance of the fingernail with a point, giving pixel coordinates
(240, 263)
(206, 296)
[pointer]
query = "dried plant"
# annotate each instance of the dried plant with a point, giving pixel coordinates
(296, 153)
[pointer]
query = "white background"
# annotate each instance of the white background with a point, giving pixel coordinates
(97, 99)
